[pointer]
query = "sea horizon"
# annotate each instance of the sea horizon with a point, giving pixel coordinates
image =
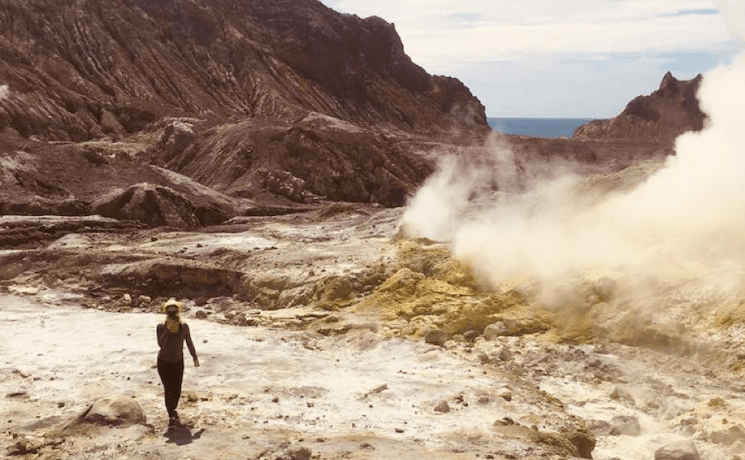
(537, 127)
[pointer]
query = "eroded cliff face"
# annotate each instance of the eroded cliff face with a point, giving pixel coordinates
(82, 69)
(660, 117)
(283, 101)
(317, 158)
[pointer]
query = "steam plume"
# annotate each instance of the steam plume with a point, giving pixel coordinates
(688, 219)
(734, 14)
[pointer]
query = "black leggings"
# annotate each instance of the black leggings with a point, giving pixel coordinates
(171, 375)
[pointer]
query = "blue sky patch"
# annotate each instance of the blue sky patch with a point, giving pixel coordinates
(696, 12)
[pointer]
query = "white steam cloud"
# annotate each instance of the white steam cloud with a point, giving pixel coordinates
(686, 220)
(3, 92)
(734, 14)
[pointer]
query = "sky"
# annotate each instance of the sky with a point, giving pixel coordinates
(561, 58)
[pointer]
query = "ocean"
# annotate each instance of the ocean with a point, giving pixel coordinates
(538, 127)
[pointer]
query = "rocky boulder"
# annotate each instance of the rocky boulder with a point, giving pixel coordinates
(23, 446)
(625, 425)
(116, 410)
(156, 206)
(682, 450)
(175, 136)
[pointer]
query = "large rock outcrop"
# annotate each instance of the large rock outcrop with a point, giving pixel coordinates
(318, 157)
(157, 206)
(660, 117)
(82, 69)
(114, 411)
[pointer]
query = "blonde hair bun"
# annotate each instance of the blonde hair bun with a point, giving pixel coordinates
(172, 302)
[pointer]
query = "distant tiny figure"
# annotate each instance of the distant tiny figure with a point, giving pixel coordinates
(171, 336)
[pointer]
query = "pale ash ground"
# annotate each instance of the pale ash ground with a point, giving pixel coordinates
(252, 382)
(359, 395)
(368, 390)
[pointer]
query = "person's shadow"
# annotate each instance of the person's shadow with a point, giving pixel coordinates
(181, 435)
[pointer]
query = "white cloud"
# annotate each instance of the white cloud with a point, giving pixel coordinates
(734, 14)
(3, 92)
(456, 37)
(449, 31)
(446, 30)
(598, 88)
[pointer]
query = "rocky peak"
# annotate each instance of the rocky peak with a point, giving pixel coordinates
(660, 117)
(669, 83)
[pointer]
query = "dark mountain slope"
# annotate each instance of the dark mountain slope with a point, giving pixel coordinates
(318, 157)
(245, 96)
(78, 69)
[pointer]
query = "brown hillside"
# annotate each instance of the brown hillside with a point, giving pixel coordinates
(80, 69)
(278, 103)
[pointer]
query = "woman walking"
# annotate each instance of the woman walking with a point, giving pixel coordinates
(171, 337)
